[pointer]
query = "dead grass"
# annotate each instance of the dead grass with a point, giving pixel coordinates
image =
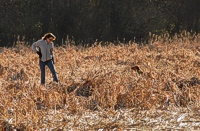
(100, 88)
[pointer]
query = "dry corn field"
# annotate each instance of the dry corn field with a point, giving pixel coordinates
(111, 87)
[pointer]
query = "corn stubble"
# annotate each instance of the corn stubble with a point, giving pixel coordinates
(154, 86)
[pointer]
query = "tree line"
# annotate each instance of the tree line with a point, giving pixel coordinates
(87, 21)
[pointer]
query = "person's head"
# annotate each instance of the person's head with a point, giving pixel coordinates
(49, 37)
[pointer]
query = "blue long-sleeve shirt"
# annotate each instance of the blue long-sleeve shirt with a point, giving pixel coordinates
(46, 49)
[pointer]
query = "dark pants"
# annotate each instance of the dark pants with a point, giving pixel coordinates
(49, 63)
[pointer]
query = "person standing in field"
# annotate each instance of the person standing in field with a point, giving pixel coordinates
(44, 48)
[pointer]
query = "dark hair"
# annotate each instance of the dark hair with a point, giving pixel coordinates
(48, 35)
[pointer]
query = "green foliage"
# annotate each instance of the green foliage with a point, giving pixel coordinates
(89, 20)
